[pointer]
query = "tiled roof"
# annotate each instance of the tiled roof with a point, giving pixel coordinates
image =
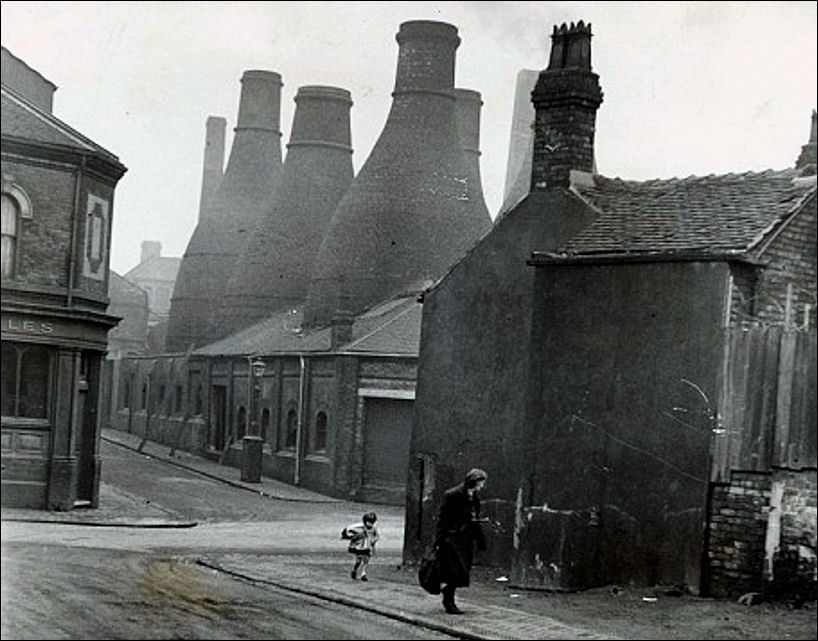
(22, 119)
(392, 327)
(726, 214)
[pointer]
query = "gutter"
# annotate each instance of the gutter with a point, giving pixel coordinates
(540, 258)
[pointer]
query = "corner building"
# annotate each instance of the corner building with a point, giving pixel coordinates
(57, 205)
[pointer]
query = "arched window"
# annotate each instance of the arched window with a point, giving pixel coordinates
(265, 423)
(199, 404)
(320, 442)
(16, 206)
(292, 430)
(8, 245)
(241, 423)
(25, 373)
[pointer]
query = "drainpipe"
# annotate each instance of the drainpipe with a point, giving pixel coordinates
(75, 233)
(301, 385)
(148, 410)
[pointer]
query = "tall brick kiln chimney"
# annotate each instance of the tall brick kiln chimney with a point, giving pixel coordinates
(241, 200)
(274, 273)
(521, 142)
(408, 215)
(566, 97)
(467, 117)
(213, 165)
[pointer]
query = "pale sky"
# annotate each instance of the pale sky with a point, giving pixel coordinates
(690, 88)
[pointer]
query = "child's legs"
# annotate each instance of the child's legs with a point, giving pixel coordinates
(358, 561)
(363, 560)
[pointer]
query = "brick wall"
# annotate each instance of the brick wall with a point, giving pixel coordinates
(791, 259)
(762, 536)
(737, 531)
(45, 238)
(793, 573)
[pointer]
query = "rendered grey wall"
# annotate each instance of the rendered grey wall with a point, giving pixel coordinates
(625, 373)
(473, 369)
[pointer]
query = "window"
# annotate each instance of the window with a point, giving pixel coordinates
(265, 423)
(8, 246)
(292, 430)
(199, 403)
(177, 408)
(320, 442)
(241, 423)
(144, 403)
(126, 395)
(25, 374)
(16, 206)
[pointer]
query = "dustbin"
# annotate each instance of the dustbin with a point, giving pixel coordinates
(251, 447)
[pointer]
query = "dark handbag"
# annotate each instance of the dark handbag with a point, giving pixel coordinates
(429, 572)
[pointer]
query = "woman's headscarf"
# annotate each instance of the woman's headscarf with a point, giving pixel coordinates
(474, 475)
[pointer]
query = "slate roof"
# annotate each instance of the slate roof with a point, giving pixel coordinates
(21, 119)
(391, 328)
(714, 215)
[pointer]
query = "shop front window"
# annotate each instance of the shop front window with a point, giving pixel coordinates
(25, 375)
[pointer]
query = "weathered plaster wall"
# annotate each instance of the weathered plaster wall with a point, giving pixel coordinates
(625, 365)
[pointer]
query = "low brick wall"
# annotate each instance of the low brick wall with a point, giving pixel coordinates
(794, 572)
(737, 533)
(762, 536)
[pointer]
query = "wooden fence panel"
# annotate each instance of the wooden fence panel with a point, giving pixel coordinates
(769, 407)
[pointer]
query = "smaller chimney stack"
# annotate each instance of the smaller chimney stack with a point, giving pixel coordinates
(213, 169)
(150, 249)
(808, 158)
(341, 328)
(566, 97)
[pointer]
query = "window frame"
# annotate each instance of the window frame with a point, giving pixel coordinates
(21, 205)
(46, 382)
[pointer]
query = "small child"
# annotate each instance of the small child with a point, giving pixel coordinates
(362, 539)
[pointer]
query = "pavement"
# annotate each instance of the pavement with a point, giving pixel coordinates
(493, 611)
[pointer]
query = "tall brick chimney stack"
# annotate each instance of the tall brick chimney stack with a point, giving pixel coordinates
(566, 97)
(213, 167)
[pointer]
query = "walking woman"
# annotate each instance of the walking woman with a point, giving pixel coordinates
(458, 530)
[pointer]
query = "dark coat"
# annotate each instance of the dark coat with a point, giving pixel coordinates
(457, 532)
